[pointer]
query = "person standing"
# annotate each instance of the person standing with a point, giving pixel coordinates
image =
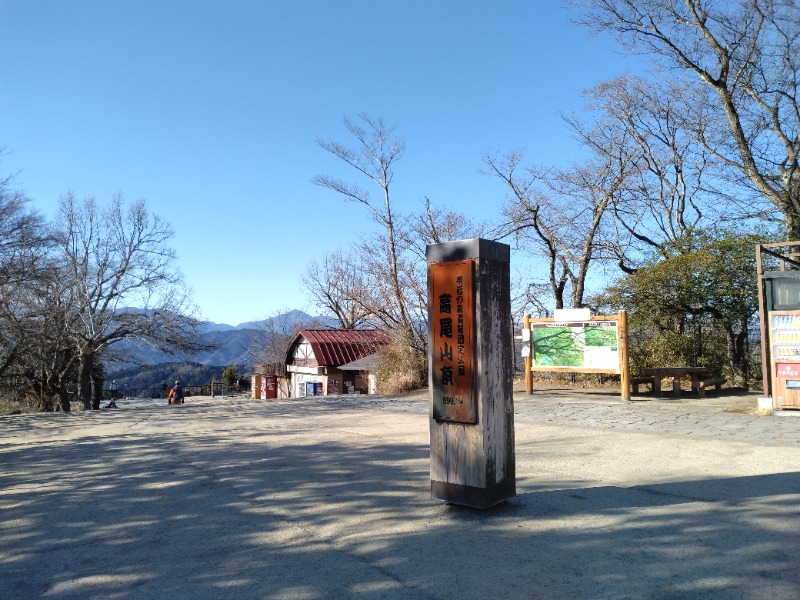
(176, 394)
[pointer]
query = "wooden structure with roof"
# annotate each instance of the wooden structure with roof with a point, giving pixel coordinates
(315, 359)
(270, 380)
(778, 269)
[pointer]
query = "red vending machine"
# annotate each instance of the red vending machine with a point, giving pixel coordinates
(270, 387)
(784, 335)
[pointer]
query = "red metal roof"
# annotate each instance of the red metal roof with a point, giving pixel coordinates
(334, 347)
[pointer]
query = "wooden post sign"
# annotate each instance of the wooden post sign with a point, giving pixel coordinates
(470, 373)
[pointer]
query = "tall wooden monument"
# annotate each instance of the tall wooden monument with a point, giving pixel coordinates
(470, 373)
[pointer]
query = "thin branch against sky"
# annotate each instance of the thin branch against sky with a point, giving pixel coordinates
(210, 112)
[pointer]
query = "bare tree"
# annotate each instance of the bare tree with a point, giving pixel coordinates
(378, 147)
(118, 271)
(23, 273)
(338, 284)
(34, 344)
(47, 359)
(23, 240)
(672, 186)
(435, 225)
(646, 184)
(271, 340)
(561, 213)
(381, 281)
(354, 286)
(743, 59)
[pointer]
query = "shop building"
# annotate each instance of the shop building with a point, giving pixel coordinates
(324, 361)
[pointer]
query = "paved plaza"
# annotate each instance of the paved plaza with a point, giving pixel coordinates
(329, 498)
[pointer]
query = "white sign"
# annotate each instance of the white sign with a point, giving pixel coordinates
(561, 315)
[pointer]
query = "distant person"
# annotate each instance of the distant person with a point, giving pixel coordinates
(176, 394)
(112, 403)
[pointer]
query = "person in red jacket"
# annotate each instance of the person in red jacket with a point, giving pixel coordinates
(176, 394)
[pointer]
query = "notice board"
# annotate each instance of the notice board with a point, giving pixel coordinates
(590, 345)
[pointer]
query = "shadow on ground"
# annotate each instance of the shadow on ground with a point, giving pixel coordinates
(292, 507)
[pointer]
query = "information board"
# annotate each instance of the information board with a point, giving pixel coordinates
(452, 341)
(588, 345)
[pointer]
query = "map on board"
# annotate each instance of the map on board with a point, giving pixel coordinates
(591, 345)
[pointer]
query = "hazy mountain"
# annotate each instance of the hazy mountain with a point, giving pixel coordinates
(235, 345)
(290, 320)
(209, 326)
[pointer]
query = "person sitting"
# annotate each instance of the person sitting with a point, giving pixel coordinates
(176, 394)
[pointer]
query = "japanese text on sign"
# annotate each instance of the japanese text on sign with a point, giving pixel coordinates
(452, 319)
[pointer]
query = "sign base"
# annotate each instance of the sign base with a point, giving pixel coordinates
(473, 497)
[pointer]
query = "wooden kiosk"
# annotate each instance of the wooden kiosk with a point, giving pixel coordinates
(470, 373)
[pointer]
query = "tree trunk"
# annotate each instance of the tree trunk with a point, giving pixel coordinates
(44, 399)
(737, 356)
(63, 397)
(792, 221)
(97, 389)
(55, 384)
(85, 366)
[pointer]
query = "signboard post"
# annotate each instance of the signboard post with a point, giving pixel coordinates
(470, 373)
(526, 353)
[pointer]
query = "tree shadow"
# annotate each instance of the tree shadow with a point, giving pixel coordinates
(272, 512)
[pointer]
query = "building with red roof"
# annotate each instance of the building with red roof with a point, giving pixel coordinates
(317, 361)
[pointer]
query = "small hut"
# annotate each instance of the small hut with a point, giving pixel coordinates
(270, 380)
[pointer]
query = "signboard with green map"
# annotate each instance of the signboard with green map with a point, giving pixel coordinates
(590, 346)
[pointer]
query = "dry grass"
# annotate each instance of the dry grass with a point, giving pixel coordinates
(582, 380)
(401, 368)
(12, 406)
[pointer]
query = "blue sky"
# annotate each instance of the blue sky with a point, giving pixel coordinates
(210, 111)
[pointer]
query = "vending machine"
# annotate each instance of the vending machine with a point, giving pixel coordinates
(784, 335)
(778, 268)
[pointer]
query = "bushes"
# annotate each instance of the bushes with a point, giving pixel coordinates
(401, 367)
(706, 348)
(13, 401)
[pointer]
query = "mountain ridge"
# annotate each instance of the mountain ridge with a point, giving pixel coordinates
(234, 345)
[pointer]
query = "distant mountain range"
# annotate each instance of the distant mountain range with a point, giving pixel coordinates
(236, 345)
(288, 320)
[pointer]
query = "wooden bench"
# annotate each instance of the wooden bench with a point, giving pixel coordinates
(637, 381)
(701, 385)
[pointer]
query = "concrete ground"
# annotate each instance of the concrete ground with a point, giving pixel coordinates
(329, 498)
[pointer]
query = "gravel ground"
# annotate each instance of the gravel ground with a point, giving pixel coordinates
(329, 498)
